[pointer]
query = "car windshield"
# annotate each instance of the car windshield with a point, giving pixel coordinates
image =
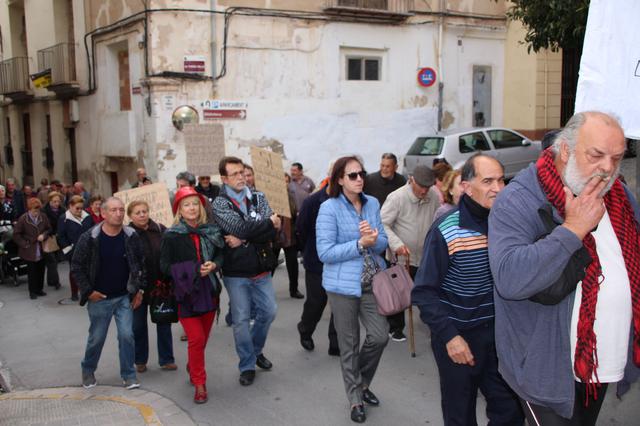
(426, 146)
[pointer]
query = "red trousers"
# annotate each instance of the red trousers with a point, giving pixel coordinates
(197, 330)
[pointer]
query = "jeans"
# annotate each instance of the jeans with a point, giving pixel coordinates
(243, 293)
(100, 314)
(141, 336)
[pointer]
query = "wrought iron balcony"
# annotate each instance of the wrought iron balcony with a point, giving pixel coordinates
(14, 77)
(60, 59)
(396, 10)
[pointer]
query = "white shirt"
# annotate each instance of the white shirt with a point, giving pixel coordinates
(613, 309)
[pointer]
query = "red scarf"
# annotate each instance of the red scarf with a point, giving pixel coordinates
(624, 226)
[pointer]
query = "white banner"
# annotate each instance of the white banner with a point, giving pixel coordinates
(610, 64)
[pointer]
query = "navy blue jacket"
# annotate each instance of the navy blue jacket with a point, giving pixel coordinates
(453, 286)
(69, 230)
(306, 230)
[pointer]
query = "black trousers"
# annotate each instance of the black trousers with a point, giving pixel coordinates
(459, 383)
(291, 260)
(313, 307)
(51, 262)
(396, 321)
(538, 415)
(35, 275)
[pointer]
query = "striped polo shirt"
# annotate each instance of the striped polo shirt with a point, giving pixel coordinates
(467, 287)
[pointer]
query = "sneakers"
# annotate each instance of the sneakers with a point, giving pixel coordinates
(397, 336)
(88, 380)
(131, 384)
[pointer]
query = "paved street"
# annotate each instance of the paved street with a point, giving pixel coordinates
(42, 343)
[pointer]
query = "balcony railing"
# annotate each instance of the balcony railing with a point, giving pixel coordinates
(393, 7)
(14, 75)
(61, 60)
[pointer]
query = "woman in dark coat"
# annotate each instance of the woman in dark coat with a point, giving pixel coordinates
(29, 232)
(71, 225)
(53, 209)
(191, 254)
(151, 236)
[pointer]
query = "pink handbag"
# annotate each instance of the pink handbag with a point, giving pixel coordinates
(392, 289)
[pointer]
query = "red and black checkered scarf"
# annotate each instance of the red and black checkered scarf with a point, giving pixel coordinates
(624, 226)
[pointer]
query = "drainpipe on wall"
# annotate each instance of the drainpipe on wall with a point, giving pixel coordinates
(441, 79)
(212, 5)
(546, 90)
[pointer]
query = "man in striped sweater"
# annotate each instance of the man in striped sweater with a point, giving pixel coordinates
(454, 292)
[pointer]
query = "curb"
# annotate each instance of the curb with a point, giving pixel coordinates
(152, 407)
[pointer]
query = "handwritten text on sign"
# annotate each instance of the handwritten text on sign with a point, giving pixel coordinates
(204, 144)
(156, 195)
(269, 175)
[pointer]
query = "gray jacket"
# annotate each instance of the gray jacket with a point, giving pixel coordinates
(407, 219)
(532, 340)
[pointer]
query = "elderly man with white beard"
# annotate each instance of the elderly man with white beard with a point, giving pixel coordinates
(564, 251)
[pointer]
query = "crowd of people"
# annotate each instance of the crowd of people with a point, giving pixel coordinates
(531, 291)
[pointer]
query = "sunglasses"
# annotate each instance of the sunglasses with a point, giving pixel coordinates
(354, 175)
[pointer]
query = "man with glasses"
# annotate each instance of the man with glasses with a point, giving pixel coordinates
(407, 215)
(249, 226)
(108, 264)
(383, 182)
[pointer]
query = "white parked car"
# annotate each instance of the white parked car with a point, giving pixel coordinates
(514, 150)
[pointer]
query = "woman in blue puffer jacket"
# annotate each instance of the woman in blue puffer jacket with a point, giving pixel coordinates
(350, 238)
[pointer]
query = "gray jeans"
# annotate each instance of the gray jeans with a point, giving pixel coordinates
(358, 364)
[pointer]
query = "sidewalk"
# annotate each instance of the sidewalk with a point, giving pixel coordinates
(102, 405)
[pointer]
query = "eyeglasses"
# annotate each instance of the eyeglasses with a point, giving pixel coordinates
(354, 175)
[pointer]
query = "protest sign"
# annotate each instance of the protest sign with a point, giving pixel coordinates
(204, 144)
(610, 64)
(269, 174)
(156, 195)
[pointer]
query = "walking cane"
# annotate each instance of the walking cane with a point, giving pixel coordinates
(412, 341)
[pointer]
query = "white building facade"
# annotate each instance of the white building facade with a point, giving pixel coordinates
(313, 80)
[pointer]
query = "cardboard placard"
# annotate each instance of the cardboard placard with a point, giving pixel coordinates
(156, 195)
(204, 144)
(269, 174)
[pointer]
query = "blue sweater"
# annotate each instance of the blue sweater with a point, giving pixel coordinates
(337, 235)
(532, 340)
(453, 286)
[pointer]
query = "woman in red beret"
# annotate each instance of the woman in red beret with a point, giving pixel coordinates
(191, 253)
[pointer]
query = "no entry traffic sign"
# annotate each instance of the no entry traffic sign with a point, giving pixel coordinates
(426, 77)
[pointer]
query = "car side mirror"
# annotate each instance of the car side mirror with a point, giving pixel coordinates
(526, 142)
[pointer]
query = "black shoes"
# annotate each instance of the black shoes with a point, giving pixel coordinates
(297, 295)
(246, 377)
(334, 351)
(263, 362)
(305, 341)
(357, 414)
(40, 293)
(33, 296)
(369, 397)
